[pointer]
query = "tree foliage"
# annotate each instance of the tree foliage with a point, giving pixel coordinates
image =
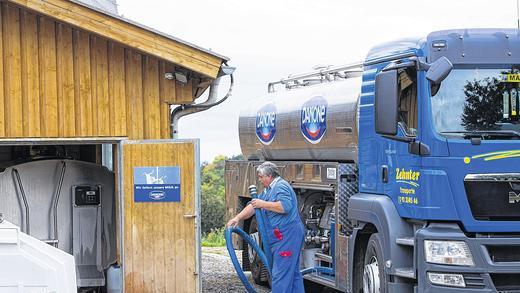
(483, 107)
(213, 205)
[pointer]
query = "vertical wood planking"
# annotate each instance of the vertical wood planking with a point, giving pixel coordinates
(103, 99)
(83, 83)
(151, 102)
(138, 225)
(170, 234)
(149, 222)
(93, 77)
(167, 95)
(77, 92)
(116, 85)
(180, 237)
(2, 79)
(48, 76)
(189, 208)
(129, 91)
(128, 220)
(30, 80)
(134, 86)
(59, 81)
(66, 90)
(160, 256)
(160, 253)
(24, 71)
(12, 70)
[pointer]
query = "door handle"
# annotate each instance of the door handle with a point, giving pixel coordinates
(190, 216)
(384, 174)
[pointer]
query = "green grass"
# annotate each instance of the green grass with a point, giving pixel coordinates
(215, 238)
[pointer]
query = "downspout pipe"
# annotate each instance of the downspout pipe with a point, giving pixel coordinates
(188, 109)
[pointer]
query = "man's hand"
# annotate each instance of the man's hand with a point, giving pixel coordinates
(258, 203)
(232, 223)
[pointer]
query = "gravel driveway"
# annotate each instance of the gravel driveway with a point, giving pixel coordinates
(218, 273)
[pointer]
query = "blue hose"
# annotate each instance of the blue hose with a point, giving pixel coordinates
(266, 260)
(261, 229)
(250, 241)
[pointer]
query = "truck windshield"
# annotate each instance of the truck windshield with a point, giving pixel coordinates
(478, 101)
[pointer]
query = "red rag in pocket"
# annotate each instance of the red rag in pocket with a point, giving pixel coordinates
(278, 234)
(286, 253)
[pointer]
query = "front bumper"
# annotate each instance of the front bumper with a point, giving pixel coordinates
(494, 269)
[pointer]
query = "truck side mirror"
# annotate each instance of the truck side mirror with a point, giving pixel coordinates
(439, 70)
(386, 103)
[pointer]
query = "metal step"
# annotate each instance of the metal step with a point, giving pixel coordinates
(405, 273)
(408, 241)
(328, 281)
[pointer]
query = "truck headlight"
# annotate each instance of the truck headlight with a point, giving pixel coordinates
(454, 280)
(448, 252)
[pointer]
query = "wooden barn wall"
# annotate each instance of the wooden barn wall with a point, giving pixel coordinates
(160, 246)
(60, 81)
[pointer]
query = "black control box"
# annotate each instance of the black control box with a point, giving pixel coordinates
(85, 195)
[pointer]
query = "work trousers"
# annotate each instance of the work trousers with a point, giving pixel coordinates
(288, 241)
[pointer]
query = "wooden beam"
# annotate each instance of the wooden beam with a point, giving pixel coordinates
(127, 34)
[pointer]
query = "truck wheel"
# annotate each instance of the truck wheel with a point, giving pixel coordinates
(374, 279)
(258, 271)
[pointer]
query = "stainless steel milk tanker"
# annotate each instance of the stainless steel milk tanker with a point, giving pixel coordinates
(312, 123)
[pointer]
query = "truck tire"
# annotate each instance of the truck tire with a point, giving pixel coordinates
(374, 279)
(258, 271)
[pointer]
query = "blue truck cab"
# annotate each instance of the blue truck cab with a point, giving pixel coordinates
(438, 207)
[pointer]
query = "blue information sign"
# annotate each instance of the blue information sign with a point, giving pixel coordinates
(157, 184)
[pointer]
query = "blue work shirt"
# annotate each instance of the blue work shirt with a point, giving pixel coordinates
(280, 190)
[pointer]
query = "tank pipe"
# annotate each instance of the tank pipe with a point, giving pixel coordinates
(188, 109)
(56, 201)
(24, 199)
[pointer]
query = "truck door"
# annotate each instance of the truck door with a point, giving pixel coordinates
(403, 167)
(159, 185)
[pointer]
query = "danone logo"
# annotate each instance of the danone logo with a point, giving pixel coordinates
(266, 123)
(157, 195)
(314, 119)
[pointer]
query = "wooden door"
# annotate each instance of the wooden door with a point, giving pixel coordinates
(161, 232)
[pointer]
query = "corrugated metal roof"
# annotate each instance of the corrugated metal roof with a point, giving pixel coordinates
(98, 5)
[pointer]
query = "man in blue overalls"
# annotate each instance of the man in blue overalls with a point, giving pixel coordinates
(284, 228)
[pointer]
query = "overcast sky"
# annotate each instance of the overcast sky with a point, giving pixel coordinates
(270, 39)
